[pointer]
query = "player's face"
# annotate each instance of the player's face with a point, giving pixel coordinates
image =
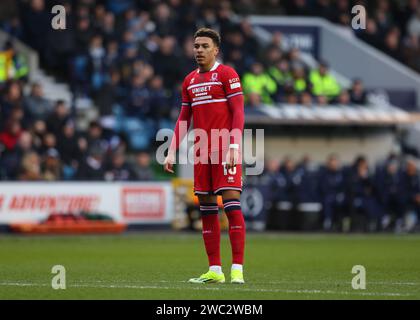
(205, 51)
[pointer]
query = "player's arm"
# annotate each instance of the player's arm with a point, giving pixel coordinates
(235, 99)
(180, 131)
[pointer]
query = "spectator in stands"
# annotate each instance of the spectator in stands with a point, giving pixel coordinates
(12, 99)
(10, 135)
(281, 74)
(409, 193)
(342, 10)
(166, 63)
(370, 34)
(49, 142)
(95, 138)
(251, 45)
(11, 159)
(159, 104)
(18, 68)
(69, 148)
(300, 82)
(291, 181)
(30, 167)
(138, 104)
(254, 100)
(298, 8)
(358, 93)
(36, 105)
(118, 169)
(257, 81)
(51, 165)
(387, 183)
(321, 100)
(344, 98)
(36, 23)
(392, 44)
(306, 99)
(142, 167)
(413, 25)
(38, 129)
(111, 94)
(292, 98)
(332, 191)
(362, 194)
(323, 8)
(323, 83)
(92, 167)
(58, 117)
(308, 187)
(96, 65)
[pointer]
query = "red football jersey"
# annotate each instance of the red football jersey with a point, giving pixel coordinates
(207, 93)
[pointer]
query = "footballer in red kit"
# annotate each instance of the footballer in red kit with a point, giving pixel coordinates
(212, 97)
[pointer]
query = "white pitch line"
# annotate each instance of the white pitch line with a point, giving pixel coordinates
(236, 289)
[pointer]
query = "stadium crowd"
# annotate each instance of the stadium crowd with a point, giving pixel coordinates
(391, 26)
(130, 57)
(387, 196)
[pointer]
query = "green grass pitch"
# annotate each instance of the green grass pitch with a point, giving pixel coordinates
(156, 266)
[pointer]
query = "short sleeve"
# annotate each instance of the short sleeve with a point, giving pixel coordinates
(231, 83)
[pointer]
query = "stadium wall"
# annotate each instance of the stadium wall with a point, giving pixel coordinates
(296, 142)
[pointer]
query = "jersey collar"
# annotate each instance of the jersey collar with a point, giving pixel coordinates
(216, 64)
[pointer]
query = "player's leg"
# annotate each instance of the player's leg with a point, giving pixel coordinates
(211, 227)
(232, 206)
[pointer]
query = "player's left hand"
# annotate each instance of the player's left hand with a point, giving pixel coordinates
(232, 158)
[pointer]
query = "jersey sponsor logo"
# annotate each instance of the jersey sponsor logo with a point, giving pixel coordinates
(201, 89)
(235, 85)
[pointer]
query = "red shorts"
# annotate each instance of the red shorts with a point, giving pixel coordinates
(213, 177)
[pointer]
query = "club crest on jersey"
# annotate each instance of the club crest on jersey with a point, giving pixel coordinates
(214, 76)
(192, 81)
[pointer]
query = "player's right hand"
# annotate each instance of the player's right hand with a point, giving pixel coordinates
(168, 164)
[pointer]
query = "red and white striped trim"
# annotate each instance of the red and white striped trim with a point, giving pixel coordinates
(186, 104)
(208, 208)
(232, 204)
(233, 94)
(208, 101)
(227, 188)
(202, 84)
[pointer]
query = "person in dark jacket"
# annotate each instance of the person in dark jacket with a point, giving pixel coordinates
(362, 193)
(387, 183)
(409, 193)
(332, 190)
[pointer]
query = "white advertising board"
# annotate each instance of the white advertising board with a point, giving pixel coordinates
(141, 202)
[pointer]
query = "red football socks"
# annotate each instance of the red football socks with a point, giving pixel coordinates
(211, 232)
(236, 229)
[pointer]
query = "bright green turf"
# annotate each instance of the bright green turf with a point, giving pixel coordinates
(157, 265)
